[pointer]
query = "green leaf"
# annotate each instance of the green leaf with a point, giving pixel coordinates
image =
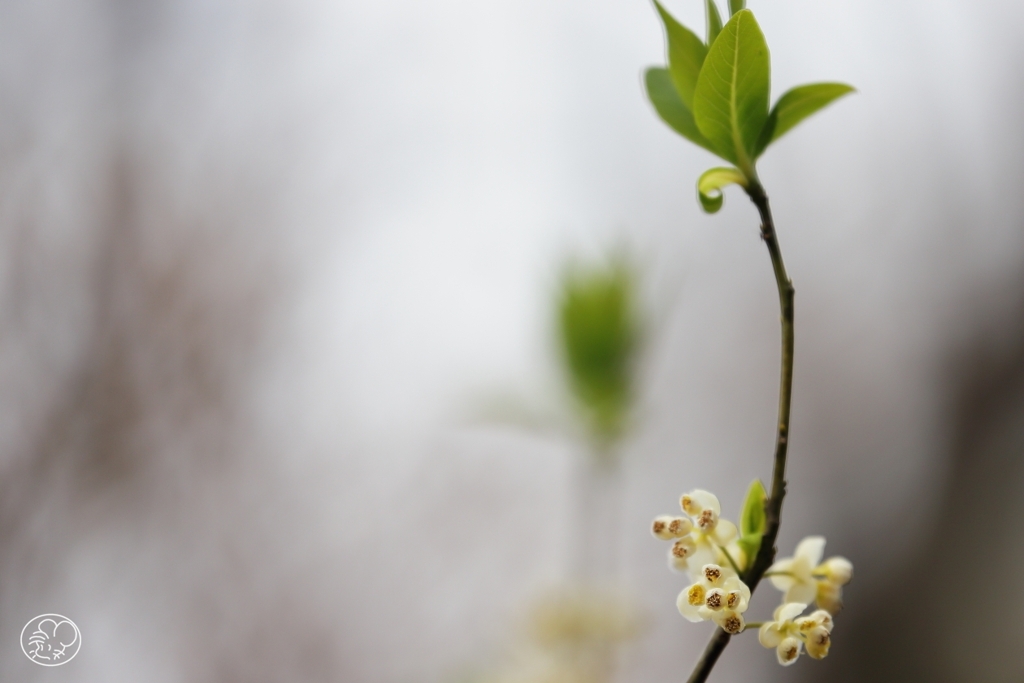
(686, 55)
(714, 21)
(666, 101)
(730, 103)
(709, 187)
(796, 105)
(736, 5)
(752, 518)
(750, 545)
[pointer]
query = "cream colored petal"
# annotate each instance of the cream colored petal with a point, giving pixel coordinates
(802, 591)
(706, 500)
(684, 547)
(785, 566)
(678, 564)
(783, 583)
(738, 554)
(805, 624)
(703, 554)
(788, 651)
(724, 532)
(822, 618)
(680, 527)
(811, 549)
(829, 597)
(802, 569)
(789, 611)
(770, 635)
(689, 505)
(736, 601)
(735, 584)
(685, 605)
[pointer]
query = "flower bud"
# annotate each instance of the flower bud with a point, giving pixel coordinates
(659, 527)
(698, 500)
(689, 505)
(837, 570)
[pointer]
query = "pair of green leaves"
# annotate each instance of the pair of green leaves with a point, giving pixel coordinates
(716, 95)
(752, 520)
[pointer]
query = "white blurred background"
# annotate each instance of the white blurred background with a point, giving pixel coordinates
(261, 263)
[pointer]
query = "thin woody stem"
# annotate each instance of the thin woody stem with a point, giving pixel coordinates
(773, 506)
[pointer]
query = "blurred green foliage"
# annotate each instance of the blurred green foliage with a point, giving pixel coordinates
(599, 326)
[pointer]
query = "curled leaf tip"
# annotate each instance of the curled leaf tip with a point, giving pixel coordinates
(709, 187)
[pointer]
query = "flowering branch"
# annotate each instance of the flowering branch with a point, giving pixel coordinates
(773, 506)
(715, 93)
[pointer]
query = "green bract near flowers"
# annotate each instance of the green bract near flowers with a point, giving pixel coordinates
(805, 578)
(716, 92)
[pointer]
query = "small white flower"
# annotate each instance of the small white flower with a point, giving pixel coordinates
(680, 552)
(700, 536)
(789, 634)
(710, 532)
(667, 527)
(804, 578)
(718, 595)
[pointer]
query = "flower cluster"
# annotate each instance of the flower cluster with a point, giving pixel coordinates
(789, 634)
(701, 537)
(711, 550)
(805, 578)
(704, 545)
(718, 595)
